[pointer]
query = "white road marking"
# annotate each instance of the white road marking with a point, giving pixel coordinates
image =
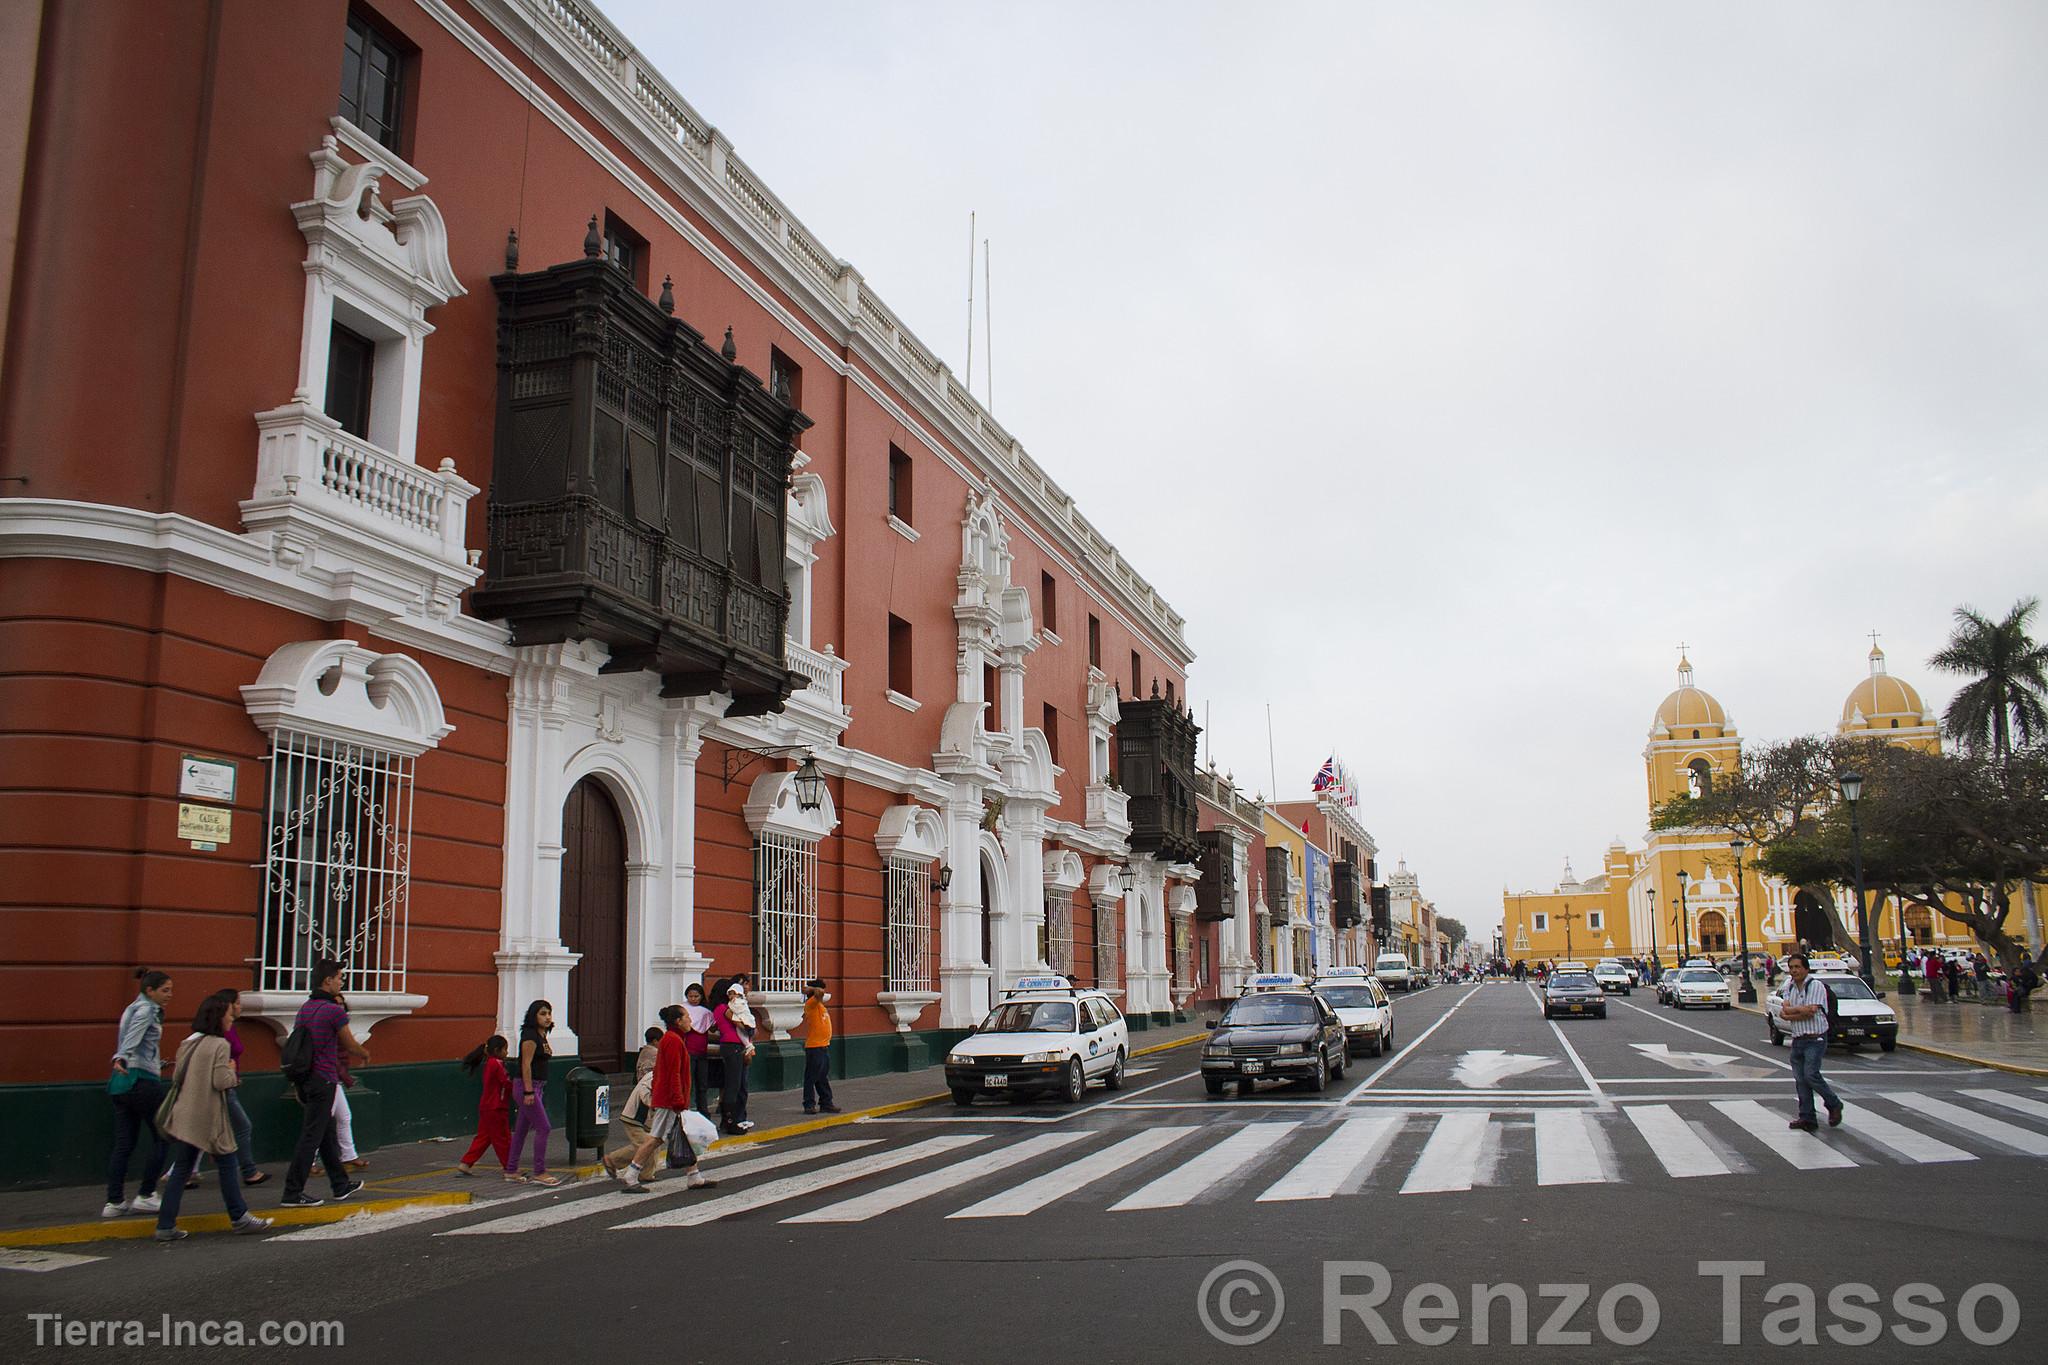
(1803, 1150)
(1211, 1168)
(797, 1186)
(1673, 1141)
(1345, 1155)
(1485, 1068)
(1773, 1062)
(1566, 1150)
(1034, 1195)
(1907, 1142)
(367, 1224)
(1572, 1052)
(863, 1207)
(1410, 1050)
(2019, 1103)
(39, 1261)
(670, 1183)
(1450, 1159)
(1970, 1121)
(1720, 1065)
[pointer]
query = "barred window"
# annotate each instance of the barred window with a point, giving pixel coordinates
(785, 911)
(1059, 931)
(907, 934)
(337, 855)
(1183, 955)
(1108, 935)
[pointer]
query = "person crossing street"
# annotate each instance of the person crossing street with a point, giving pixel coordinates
(1805, 1012)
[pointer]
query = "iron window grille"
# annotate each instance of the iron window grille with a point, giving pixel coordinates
(337, 864)
(907, 936)
(1183, 956)
(785, 912)
(1059, 931)
(1108, 935)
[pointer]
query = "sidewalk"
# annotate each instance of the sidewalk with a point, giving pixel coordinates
(416, 1174)
(1966, 1031)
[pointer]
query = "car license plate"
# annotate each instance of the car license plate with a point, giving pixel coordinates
(1251, 1068)
(994, 1082)
(1577, 1008)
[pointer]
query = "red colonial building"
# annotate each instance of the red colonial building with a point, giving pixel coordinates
(453, 516)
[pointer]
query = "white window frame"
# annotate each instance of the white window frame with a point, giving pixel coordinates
(1596, 919)
(785, 911)
(1542, 925)
(907, 925)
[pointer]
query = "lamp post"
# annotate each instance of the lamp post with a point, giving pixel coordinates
(1852, 792)
(1905, 977)
(1684, 916)
(1656, 969)
(1748, 993)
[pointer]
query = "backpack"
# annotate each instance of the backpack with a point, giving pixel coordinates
(295, 1058)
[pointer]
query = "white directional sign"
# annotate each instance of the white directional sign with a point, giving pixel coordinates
(1706, 1063)
(1487, 1068)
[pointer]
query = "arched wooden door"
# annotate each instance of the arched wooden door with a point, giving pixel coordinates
(594, 922)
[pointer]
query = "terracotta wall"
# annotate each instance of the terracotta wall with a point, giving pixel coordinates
(107, 677)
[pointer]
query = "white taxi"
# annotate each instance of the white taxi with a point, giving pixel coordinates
(1045, 1036)
(1701, 986)
(1362, 1004)
(1612, 976)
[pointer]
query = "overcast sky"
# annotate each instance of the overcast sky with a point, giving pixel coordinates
(1447, 365)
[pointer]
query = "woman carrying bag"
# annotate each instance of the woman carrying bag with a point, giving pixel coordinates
(194, 1118)
(137, 1089)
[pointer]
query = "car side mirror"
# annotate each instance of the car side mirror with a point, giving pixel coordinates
(1212, 1023)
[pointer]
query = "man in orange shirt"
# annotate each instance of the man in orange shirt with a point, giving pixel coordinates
(816, 1031)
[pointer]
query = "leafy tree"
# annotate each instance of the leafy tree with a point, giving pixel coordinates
(2008, 694)
(1452, 929)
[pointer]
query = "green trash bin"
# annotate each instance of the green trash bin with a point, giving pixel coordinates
(590, 1109)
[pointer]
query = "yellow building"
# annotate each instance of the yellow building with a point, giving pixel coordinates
(1283, 928)
(1692, 891)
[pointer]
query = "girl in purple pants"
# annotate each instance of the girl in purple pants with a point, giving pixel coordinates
(529, 1086)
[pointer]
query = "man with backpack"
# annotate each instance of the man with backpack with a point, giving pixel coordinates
(312, 1063)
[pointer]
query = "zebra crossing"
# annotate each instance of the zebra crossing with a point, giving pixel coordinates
(1397, 1153)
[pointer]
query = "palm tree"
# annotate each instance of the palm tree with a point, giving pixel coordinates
(2011, 680)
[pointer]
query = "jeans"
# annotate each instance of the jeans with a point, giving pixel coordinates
(533, 1118)
(1806, 1059)
(817, 1076)
(700, 1082)
(245, 1135)
(732, 1105)
(316, 1136)
(135, 1113)
(185, 1159)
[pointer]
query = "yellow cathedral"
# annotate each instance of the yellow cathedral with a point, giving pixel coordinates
(1691, 891)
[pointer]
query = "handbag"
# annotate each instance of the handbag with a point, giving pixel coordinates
(170, 1101)
(121, 1081)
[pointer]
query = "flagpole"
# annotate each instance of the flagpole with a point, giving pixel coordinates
(1272, 768)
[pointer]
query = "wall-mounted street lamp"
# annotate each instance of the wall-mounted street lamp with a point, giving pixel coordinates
(810, 782)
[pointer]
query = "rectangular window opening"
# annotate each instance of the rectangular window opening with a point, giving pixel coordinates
(1094, 641)
(1052, 731)
(626, 249)
(375, 65)
(900, 657)
(785, 378)
(899, 487)
(351, 365)
(1049, 604)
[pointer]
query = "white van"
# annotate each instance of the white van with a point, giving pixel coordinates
(1393, 972)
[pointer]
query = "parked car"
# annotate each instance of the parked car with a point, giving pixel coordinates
(1855, 1014)
(1045, 1036)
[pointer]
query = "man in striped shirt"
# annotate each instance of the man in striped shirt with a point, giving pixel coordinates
(1803, 1007)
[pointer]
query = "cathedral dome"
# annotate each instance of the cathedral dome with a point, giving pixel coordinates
(1689, 707)
(1881, 697)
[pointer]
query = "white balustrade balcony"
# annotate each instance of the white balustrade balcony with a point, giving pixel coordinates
(819, 708)
(1108, 809)
(318, 485)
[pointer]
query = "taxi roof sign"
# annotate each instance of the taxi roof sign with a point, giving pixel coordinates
(1342, 974)
(1042, 983)
(1270, 981)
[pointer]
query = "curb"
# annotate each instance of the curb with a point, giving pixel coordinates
(144, 1226)
(1946, 1054)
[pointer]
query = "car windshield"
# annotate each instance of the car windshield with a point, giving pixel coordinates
(1030, 1016)
(1269, 1009)
(1348, 997)
(1848, 988)
(1572, 982)
(1699, 974)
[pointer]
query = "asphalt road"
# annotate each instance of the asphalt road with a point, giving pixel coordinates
(1572, 1164)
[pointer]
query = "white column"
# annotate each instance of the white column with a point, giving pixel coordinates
(532, 963)
(671, 961)
(963, 976)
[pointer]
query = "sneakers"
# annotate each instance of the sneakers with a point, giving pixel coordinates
(695, 1181)
(249, 1222)
(120, 1210)
(744, 1126)
(349, 1191)
(171, 1234)
(299, 1201)
(145, 1203)
(1835, 1117)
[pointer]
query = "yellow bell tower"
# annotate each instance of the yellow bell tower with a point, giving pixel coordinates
(1692, 745)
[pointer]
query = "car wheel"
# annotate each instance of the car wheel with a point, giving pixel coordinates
(1077, 1081)
(1343, 1061)
(1244, 1088)
(1213, 1086)
(1115, 1079)
(1375, 1047)
(1319, 1079)
(1602, 1014)
(1777, 1038)
(963, 1098)
(1888, 1044)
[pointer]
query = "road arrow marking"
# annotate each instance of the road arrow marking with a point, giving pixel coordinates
(1707, 1063)
(1487, 1068)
